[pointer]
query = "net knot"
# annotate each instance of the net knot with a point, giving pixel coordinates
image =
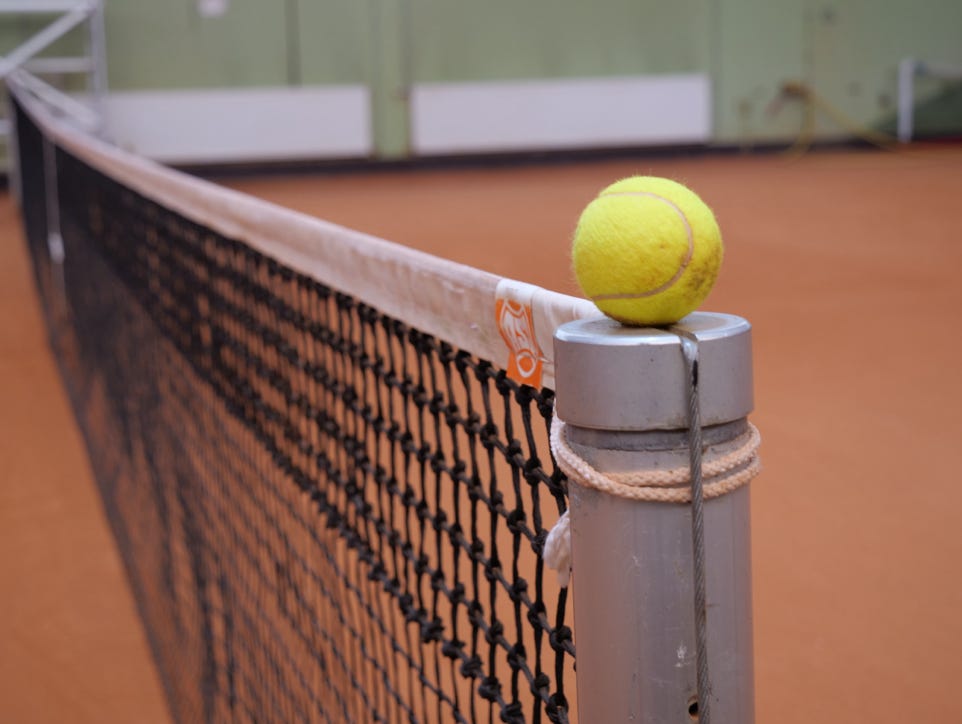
(377, 572)
(513, 713)
(334, 517)
(475, 489)
(494, 632)
(516, 520)
(532, 470)
(492, 570)
(416, 615)
(516, 657)
(489, 435)
(462, 362)
(477, 549)
(557, 707)
(436, 405)
(472, 424)
(452, 649)
(490, 688)
(525, 394)
(472, 668)
(422, 510)
(536, 615)
(560, 639)
(431, 630)
(540, 684)
(421, 564)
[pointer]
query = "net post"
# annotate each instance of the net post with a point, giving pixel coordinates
(622, 394)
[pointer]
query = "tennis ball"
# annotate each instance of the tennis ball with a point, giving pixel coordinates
(646, 251)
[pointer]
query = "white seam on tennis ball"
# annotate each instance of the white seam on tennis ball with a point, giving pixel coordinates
(681, 269)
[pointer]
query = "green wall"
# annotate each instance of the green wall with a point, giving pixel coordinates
(847, 51)
(509, 39)
(165, 45)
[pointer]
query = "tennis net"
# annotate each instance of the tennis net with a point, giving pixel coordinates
(331, 492)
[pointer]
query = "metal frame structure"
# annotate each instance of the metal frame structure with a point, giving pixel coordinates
(67, 15)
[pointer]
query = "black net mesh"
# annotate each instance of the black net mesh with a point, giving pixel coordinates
(325, 514)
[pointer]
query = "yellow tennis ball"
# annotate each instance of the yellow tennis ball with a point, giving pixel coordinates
(647, 251)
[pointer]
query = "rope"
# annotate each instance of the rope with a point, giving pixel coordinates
(813, 102)
(722, 474)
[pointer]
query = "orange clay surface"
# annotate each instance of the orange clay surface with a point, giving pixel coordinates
(847, 264)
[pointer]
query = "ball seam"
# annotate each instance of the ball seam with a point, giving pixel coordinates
(682, 267)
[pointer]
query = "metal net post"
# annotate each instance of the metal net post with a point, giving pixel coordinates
(623, 395)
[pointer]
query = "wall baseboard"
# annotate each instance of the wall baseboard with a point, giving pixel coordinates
(451, 118)
(222, 126)
(242, 125)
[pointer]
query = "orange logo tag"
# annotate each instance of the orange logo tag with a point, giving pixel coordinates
(525, 363)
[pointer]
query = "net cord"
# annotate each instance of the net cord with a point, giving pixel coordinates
(445, 299)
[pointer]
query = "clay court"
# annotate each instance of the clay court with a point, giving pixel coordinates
(845, 262)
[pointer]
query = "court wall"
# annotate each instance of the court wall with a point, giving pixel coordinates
(402, 78)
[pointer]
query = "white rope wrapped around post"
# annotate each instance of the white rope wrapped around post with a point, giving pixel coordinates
(723, 473)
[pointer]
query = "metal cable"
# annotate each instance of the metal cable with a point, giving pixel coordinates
(689, 348)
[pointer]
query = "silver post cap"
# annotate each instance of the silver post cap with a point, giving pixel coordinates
(613, 377)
